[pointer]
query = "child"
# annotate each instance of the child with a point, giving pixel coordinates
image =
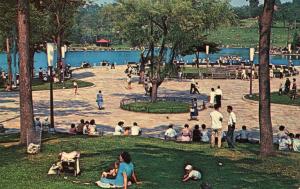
(204, 133)
(127, 131)
(243, 136)
(86, 128)
(111, 173)
(72, 130)
(190, 173)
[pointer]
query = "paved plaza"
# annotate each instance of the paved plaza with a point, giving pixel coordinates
(70, 108)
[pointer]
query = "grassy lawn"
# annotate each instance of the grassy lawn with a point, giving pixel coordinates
(158, 107)
(39, 85)
(278, 99)
(158, 164)
(246, 35)
(194, 70)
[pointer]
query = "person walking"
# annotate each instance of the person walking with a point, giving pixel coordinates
(193, 85)
(218, 96)
(99, 100)
(75, 87)
(231, 127)
(287, 86)
(216, 126)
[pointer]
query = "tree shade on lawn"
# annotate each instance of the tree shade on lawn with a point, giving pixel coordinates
(158, 164)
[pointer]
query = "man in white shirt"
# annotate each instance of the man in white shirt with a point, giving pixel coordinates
(170, 133)
(119, 128)
(136, 130)
(216, 126)
(218, 97)
(231, 126)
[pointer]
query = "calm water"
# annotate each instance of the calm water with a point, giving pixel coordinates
(75, 58)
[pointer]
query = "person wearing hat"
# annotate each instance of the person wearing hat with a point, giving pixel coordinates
(191, 174)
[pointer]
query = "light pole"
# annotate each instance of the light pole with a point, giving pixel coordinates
(290, 52)
(63, 54)
(207, 54)
(252, 51)
(50, 56)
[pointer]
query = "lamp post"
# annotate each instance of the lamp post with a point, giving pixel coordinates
(207, 54)
(252, 51)
(290, 52)
(63, 54)
(50, 57)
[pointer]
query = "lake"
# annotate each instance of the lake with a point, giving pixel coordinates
(75, 58)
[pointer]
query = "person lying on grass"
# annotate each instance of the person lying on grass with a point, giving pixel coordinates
(191, 174)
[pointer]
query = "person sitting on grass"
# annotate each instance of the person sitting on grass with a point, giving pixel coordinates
(111, 173)
(72, 130)
(119, 129)
(186, 134)
(285, 143)
(136, 130)
(296, 143)
(80, 126)
(170, 133)
(46, 125)
(243, 136)
(190, 174)
(125, 174)
(282, 133)
(86, 128)
(126, 131)
(196, 134)
(92, 128)
(204, 133)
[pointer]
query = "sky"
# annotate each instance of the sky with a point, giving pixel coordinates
(236, 3)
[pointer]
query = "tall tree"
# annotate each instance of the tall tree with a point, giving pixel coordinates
(265, 122)
(166, 25)
(7, 23)
(26, 104)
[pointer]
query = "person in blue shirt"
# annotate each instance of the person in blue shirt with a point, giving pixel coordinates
(124, 176)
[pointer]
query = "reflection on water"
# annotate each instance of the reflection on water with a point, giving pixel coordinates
(75, 58)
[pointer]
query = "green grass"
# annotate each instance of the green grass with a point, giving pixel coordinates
(194, 70)
(158, 107)
(38, 85)
(246, 35)
(278, 99)
(157, 163)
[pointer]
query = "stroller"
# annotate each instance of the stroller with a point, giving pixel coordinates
(68, 163)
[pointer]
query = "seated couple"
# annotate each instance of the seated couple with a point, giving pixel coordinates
(121, 130)
(120, 175)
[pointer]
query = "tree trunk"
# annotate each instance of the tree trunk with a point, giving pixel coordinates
(9, 70)
(26, 104)
(266, 133)
(154, 90)
(58, 43)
